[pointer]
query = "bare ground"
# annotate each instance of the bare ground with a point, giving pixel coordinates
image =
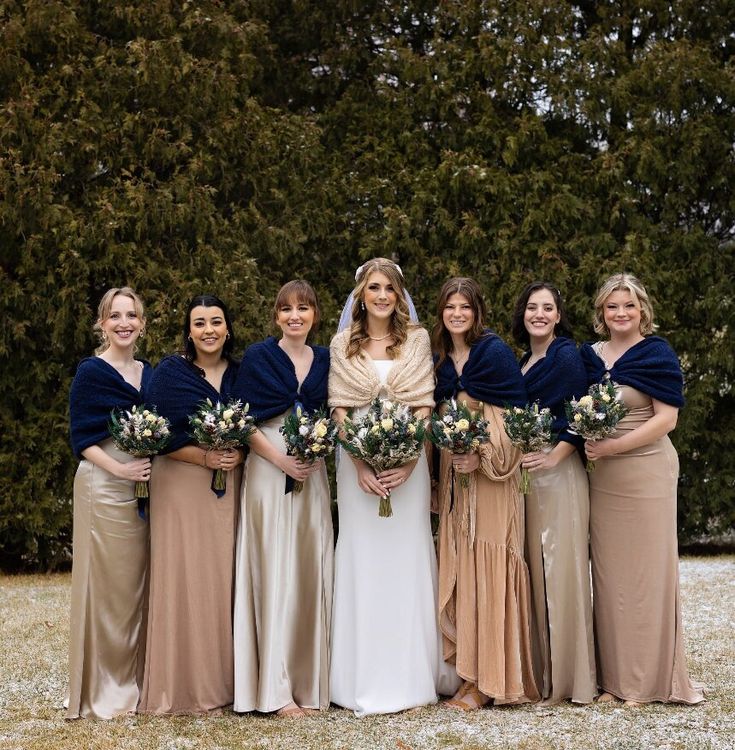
(34, 630)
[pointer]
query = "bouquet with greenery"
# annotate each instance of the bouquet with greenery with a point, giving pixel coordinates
(596, 415)
(220, 427)
(308, 436)
(529, 429)
(458, 430)
(141, 433)
(386, 437)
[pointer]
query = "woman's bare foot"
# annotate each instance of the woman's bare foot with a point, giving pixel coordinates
(605, 698)
(632, 704)
(291, 711)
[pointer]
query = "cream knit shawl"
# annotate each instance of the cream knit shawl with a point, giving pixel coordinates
(354, 382)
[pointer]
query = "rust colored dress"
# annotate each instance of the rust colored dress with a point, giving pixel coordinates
(484, 590)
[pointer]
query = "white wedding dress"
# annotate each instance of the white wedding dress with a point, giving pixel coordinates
(386, 646)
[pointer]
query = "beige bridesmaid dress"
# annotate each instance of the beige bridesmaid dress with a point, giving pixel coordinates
(557, 552)
(188, 665)
(283, 590)
(107, 584)
(635, 568)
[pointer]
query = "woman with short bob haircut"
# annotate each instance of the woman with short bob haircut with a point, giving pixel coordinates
(285, 546)
(635, 564)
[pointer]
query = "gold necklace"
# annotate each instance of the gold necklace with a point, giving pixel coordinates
(459, 361)
(379, 338)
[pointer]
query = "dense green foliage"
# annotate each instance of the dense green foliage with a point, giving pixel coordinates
(230, 146)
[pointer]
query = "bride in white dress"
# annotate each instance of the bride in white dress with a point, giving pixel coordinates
(386, 652)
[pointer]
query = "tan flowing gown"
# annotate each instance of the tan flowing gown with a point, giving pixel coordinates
(557, 552)
(108, 578)
(484, 591)
(188, 665)
(283, 593)
(635, 568)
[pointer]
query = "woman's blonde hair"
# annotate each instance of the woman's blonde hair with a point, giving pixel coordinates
(400, 319)
(105, 308)
(623, 282)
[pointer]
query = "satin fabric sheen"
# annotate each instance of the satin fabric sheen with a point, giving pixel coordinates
(635, 568)
(108, 578)
(386, 653)
(557, 552)
(283, 591)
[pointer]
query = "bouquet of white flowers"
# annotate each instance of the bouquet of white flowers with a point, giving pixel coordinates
(596, 415)
(386, 437)
(308, 437)
(458, 430)
(529, 429)
(219, 427)
(140, 432)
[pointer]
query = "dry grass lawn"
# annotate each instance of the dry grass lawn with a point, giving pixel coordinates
(34, 631)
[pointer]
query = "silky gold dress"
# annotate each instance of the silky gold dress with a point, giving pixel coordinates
(108, 579)
(283, 592)
(557, 552)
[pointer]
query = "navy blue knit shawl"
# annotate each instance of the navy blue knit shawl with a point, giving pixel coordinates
(491, 374)
(267, 380)
(176, 390)
(650, 366)
(554, 379)
(96, 390)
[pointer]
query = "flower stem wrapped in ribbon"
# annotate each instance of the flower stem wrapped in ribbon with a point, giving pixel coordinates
(596, 415)
(221, 426)
(309, 437)
(387, 436)
(139, 432)
(458, 430)
(529, 429)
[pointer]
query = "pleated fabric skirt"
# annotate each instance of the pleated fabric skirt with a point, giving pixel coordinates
(108, 580)
(188, 665)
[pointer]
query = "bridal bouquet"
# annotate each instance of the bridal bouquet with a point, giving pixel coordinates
(219, 427)
(141, 433)
(388, 436)
(529, 429)
(458, 430)
(596, 415)
(308, 437)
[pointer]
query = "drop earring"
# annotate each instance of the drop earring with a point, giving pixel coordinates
(362, 305)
